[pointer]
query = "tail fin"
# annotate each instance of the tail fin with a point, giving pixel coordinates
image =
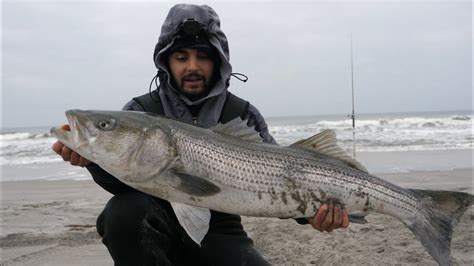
(440, 213)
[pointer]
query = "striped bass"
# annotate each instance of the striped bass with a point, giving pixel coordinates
(229, 169)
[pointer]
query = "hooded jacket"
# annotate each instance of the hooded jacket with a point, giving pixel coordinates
(175, 103)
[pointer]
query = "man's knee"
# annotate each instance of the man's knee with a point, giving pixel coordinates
(130, 212)
(136, 227)
(122, 210)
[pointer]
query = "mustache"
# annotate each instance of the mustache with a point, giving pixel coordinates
(194, 75)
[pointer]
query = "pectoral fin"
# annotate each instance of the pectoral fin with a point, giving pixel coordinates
(194, 220)
(193, 185)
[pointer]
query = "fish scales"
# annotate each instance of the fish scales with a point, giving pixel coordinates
(235, 164)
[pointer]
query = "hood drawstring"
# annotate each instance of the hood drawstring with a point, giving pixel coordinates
(158, 75)
(238, 75)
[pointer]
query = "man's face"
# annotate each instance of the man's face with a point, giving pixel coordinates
(192, 70)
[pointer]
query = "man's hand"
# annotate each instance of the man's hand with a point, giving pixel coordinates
(329, 217)
(69, 155)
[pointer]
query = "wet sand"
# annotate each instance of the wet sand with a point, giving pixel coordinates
(53, 223)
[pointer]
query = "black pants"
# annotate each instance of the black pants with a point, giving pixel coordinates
(142, 230)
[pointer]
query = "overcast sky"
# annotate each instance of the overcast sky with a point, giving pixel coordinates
(408, 56)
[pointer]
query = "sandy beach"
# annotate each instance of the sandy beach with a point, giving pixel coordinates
(53, 223)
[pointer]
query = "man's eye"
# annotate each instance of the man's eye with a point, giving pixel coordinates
(181, 58)
(203, 56)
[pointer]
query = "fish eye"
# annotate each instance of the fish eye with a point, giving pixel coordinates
(106, 124)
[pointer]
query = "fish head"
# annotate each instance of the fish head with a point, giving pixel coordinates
(132, 146)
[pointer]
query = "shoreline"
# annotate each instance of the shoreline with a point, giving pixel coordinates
(49, 223)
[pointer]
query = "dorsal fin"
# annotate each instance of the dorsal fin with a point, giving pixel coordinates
(238, 128)
(325, 143)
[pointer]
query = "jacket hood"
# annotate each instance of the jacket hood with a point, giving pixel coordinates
(210, 23)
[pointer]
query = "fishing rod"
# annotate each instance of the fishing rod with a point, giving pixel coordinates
(353, 109)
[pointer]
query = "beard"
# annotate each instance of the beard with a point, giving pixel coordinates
(200, 86)
(195, 91)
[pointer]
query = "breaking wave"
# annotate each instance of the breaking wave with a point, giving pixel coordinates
(373, 133)
(386, 133)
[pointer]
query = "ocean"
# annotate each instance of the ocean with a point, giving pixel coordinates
(383, 132)
(375, 133)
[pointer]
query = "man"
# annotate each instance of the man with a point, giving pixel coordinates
(192, 58)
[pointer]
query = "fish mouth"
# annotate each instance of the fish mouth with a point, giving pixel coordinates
(79, 134)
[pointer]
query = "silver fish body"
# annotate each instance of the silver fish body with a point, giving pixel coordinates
(259, 179)
(229, 169)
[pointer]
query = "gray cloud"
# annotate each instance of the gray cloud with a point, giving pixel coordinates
(408, 56)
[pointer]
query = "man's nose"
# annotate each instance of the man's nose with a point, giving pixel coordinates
(192, 64)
